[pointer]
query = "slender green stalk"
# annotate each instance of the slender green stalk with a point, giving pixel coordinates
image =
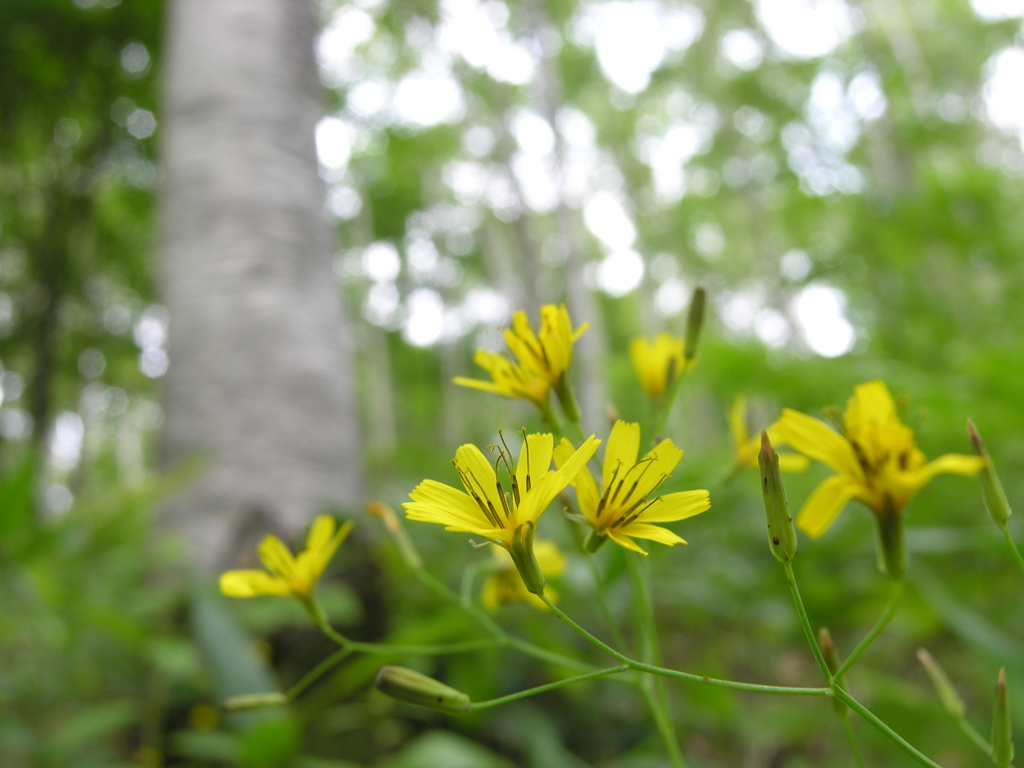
(658, 700)
(317, 672)
(602, 598)
(663, 721)
(806, 624)
(973, 735)
(552, 419)
(548, 687)
(504, 638)
(417, 650)
(871, 718)
(880, 625)
(854, 746)
(1013, 546)
(671, 673)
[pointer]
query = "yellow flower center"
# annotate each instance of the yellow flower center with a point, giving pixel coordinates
(615, 511)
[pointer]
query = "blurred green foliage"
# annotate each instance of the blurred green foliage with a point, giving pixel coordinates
(110, 657)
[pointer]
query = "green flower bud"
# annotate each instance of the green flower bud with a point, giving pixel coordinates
(525, 560)
(694, 321)
(951, 701)
(413, 687)
(1002, 730)
(832, 661)
(991, 489)
(255, 701)
(781, 532)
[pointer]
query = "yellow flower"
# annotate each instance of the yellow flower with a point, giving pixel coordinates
(486, 508)
(623, 508)
(505, 584)
(508, 379)
(549, 352)
(289, 575)
(747, 446)
(657, 363)
(875, 457)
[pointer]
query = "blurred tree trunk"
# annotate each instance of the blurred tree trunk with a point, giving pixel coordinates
(259, 380)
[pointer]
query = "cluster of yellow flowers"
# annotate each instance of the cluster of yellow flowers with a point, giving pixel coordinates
(501, 500)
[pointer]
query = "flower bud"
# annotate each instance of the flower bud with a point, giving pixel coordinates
(951, 701)
(991, 489)
(694, 321)
(524, 558)
(781, 533)
(255, 701)
(413, 687)
(1002, 730)
(831, 655)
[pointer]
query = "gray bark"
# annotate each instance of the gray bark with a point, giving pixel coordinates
(259, 379)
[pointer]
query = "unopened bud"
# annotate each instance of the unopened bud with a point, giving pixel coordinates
(1002, 730)
(951, 701)
(832, 661)
(524, 558)
(991, 489)
(694, 321)
(414, 687)
(255, 701)
(781, 532)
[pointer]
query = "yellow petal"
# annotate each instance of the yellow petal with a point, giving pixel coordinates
(534, 460)
(491, 592)
(817, 441)
(676, 506)
(625, 541)
(321, 555)
(252, 583)
(478, 476)
(549, 558)
(652, 532)
(825, 503)
(621, 452)
(434, 502)
(954, 464)
(873, 402)
(486, 386)
(320, 533)
(534, 502)
(663, 459)
(587, 493)
(793, 462)
(738, 424)
(277, 557)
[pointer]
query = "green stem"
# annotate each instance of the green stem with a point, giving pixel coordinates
(1013, 546)
(806, 624)
(668, 400)
(658, 701)
(317, 672)
(418, 650)
(548, 687)
(973, 735)
(854, 746)
(602, 598)
(871, 718)
(495, 629)
(880, 625)
(552, 419)
(674, 674)
(663, 721)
